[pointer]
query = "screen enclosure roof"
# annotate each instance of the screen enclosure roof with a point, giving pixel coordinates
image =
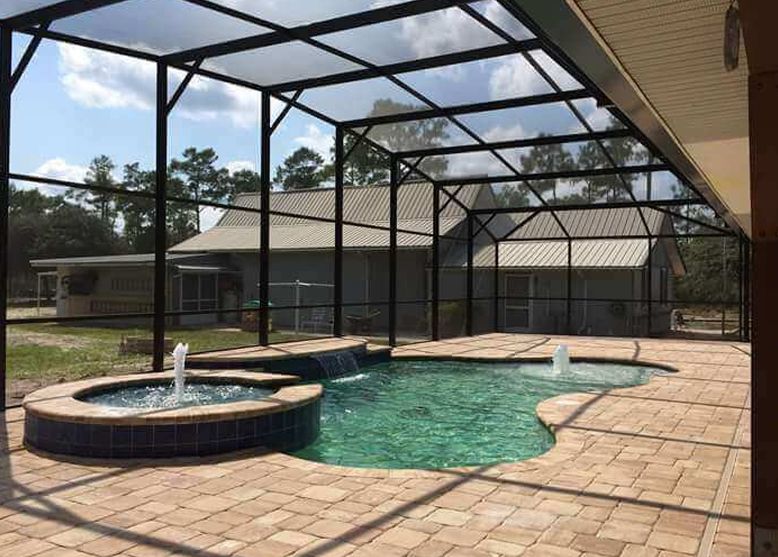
(460, 91)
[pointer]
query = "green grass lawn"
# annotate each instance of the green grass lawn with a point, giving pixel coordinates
(46, 353)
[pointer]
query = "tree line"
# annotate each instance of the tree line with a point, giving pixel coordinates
(82, 222)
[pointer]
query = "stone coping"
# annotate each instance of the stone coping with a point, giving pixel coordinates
(61, 402)
(531, 359)
(282, 351)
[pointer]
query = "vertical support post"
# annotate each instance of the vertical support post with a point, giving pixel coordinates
(496, 278)
(435, 311)
(569, 296)
(469, 313)
(650, 290)
(337, 279)
(724, 286)
(6, 44)
(394, 176)
(160, 220)
(763, 121)
(740, 287)
(264, 221)
(747, 290)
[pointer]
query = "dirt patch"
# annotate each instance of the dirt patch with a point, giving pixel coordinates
(19, 388)
(29, 312)
(18, 338)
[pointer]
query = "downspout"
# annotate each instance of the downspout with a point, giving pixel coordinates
(585, 303)
(366, 255)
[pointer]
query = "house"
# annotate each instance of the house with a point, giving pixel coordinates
(218, 270)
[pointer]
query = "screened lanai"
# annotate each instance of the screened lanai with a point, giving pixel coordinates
(464, 97)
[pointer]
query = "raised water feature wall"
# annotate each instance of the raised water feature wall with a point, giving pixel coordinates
(57, 421)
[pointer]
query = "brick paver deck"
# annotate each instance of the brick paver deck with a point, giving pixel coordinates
(656, 470)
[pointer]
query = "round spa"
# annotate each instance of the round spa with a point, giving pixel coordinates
(138, 416)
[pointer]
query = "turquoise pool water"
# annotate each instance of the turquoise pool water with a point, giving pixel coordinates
(163, 396)
(435, 414)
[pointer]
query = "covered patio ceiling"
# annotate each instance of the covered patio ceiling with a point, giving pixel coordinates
(662, 63)
(481, 72)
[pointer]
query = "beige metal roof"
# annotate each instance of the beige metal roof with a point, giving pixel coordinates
(590, 254)
(128, 260)
(239, 230)
(672, 53)
(310, 237)
(368, 204)
(591, 222)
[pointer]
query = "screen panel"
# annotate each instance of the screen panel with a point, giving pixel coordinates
(411, 38)
(175, 25)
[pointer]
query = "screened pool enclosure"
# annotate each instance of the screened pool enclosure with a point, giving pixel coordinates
(505, 190)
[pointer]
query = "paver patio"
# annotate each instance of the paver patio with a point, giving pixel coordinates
(656, 470)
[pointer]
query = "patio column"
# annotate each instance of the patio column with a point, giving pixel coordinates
(763, 108)
(6, 36)
(758, 19)
(266, 132)
(337, 278)
(160, 219)
(746, 284)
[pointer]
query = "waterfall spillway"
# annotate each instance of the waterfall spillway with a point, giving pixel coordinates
(179, 365)
(336, 364)
(561, 360)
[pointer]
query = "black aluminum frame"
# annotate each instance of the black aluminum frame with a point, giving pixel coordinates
(403, 164)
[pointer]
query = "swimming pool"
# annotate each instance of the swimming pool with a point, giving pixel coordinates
(436, 414)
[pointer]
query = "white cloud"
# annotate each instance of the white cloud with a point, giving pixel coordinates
(503, 133)
(316, 140)
(236, 166)
(103, 80)
(515, 78)
(443, 31)
(209, 216)
(60, 169)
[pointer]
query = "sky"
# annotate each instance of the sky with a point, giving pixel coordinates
(73, 104)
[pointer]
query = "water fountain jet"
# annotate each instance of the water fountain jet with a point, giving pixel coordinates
(561, 360)
(179, 364)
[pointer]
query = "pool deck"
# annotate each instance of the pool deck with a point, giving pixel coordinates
(282, 351)
(659, 470)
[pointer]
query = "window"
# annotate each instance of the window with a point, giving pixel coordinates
(198, 291)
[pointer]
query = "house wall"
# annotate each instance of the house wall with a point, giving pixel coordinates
(365, 286)
(114, 290)
(590, 313)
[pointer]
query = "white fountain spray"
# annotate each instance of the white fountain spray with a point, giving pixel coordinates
(179, 363)
(561, 360)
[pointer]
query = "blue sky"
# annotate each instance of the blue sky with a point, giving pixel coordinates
(73, 104)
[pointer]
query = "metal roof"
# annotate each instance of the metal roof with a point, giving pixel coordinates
(365, 204)
(307, 237)
(593, 222)
(239, 230)
(126, 260)
(589, 254)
